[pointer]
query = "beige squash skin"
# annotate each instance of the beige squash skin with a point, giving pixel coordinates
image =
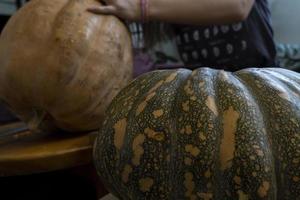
(60, 66)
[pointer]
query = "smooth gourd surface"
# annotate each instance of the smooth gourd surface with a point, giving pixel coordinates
(60, 65)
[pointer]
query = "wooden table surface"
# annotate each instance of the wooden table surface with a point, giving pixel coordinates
(23, 152)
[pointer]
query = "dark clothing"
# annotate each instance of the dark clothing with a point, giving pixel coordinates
(234, 46)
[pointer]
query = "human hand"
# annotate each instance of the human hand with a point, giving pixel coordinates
(125, 9)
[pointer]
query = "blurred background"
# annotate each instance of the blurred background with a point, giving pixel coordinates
(285, 19)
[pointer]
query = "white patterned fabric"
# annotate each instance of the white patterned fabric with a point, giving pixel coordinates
(231, 46)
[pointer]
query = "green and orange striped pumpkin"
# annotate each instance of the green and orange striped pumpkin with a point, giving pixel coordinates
(203, 134)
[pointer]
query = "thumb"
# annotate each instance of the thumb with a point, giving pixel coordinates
(106, 10)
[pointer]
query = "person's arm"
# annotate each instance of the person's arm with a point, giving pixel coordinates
(197, 12)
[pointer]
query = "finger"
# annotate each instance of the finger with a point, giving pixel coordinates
(103, 2)
(107, 2)
(107, 10)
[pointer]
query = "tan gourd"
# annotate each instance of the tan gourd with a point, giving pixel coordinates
(60, 65)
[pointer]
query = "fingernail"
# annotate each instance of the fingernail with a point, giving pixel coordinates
(91, 9)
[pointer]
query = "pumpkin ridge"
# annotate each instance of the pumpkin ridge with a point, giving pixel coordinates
(160, 76)
(262, 110)
(131, 86)
(104, 168)
(216, 82)
(105, 181)
(193, 150)
(158, 90)
(173, 194)
(290, 85)
(66, 22)
(210, 86)
(280, 154)
(240, 99)
(287, 73)
(97, 102)
(130, 115)
(166, 74)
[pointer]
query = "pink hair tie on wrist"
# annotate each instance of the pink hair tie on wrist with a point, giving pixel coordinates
(144, 10)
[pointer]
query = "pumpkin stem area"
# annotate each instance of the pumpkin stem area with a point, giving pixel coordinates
(36, 120)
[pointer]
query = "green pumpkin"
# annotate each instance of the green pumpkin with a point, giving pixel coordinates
(203, 134)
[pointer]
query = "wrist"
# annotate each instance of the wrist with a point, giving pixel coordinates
(148, 10)
(152, 10)
(144, 10)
